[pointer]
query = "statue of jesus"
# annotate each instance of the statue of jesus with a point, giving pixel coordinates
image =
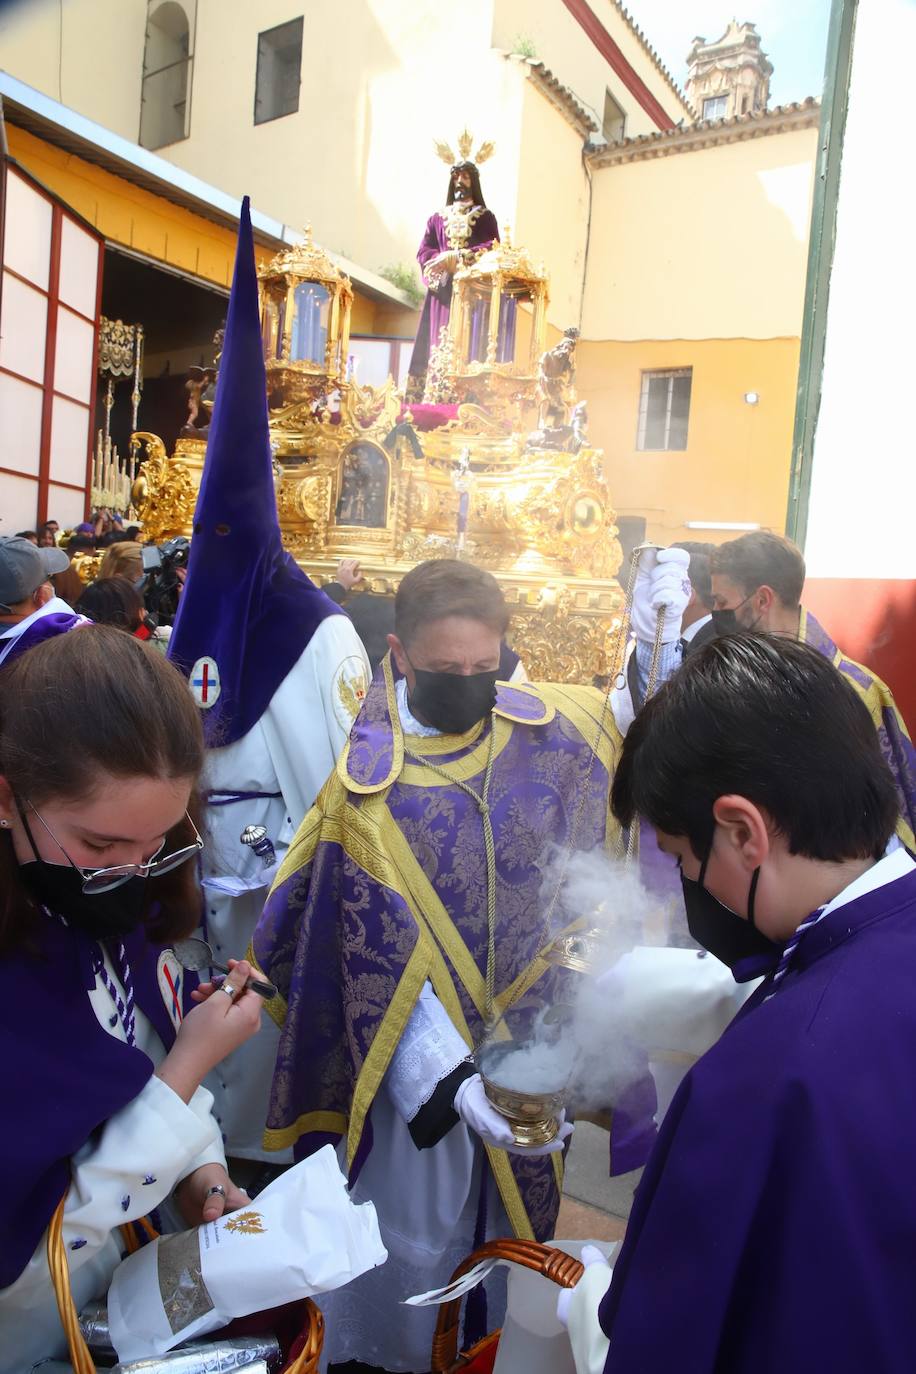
(454, 237)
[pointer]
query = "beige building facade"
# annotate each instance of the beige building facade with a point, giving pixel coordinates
(677, 247)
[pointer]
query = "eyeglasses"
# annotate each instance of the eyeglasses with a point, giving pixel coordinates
(96, 880)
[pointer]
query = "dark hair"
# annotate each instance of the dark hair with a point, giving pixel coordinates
(771, 720)
(700, 570)
(132, 531)
(761, 559)
(445, 586)
(112, 601)
(87, 702)
(29, 534)
(476, 193)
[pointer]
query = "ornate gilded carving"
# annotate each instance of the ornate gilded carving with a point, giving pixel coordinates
(165, 490)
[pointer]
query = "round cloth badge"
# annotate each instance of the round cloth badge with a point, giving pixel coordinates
(205, 683)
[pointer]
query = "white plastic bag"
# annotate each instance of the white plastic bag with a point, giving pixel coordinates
(301, 1235)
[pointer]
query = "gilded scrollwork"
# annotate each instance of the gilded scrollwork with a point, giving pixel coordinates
(165, 489)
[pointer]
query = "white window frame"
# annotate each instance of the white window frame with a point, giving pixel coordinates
(714, 99)
(645, 377)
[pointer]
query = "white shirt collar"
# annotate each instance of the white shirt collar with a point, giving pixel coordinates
(409, 723)
(895, 864)
(688, 634)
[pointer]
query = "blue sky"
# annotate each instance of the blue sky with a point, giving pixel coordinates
(793, 35)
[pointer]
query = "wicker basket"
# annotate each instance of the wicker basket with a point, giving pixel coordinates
(562, 1269)
(306, 1362)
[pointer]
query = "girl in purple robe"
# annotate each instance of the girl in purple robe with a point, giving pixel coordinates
(775, 1224)
(100, 748)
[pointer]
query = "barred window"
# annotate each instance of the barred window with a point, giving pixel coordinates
(664, 409)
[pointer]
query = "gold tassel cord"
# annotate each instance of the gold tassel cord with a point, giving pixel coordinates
(80, 1358)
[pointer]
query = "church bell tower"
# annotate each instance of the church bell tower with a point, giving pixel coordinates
(730, 76)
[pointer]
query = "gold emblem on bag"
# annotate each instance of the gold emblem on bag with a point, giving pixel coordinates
(248, 1223)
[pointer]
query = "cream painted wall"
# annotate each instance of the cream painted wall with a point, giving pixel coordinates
(572, 57)
(707, 244)
(552, 209)
(99, 69)
(356, 159)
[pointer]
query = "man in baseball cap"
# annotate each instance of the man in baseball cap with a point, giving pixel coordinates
(29, 610)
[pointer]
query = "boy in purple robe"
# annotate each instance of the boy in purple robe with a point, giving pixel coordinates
(454, 236)
(775, 1225)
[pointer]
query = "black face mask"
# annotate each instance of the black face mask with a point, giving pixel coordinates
(103, 915)
(720, 930)
(453, 702)
(726, 622)
(59, 887)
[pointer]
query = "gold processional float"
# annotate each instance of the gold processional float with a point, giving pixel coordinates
(509, 481)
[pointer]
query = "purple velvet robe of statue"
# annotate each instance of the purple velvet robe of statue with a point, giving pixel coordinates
(438, 303)
(385, 886)
(775, 1225)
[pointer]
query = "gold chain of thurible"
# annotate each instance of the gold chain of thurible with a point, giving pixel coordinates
(481, 799)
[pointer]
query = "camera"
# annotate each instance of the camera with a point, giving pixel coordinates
(161, 564)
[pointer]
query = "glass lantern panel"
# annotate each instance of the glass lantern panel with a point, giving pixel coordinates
(505, 344)
(310, 323)
(281, 327)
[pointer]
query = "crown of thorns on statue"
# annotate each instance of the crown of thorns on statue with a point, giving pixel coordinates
(465, 144)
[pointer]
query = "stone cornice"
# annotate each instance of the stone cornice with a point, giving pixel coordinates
(560, 96)
(783, 119)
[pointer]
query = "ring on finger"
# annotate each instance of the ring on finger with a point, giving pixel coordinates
(217, 1188)
(229, 990)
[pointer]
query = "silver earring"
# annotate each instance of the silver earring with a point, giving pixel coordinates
(5, 824)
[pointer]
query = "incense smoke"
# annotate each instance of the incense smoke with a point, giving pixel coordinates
(589, 1047)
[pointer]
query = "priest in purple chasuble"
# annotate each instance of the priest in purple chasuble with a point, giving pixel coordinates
(376, 933)
(454, 237)
(757, 584)
(775, 1224)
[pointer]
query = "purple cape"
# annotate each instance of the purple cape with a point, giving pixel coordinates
(385, 886)
(775, 1225)
(896, 745)
(70, 1074)
(246, 604)
(45, 627)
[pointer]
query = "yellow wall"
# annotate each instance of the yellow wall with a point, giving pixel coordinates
(736, 464)
(710, 243)
(563, 45)
(97, 70)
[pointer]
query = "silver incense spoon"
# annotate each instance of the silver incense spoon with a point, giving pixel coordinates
(196, 955)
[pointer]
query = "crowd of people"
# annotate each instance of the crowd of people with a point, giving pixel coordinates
(376, 840)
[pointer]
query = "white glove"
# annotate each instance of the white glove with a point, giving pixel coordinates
(662, 580)
(589, 1256)
(477, 1111)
